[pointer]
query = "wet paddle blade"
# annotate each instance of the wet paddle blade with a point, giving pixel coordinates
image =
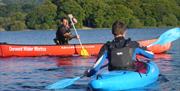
(62, 83)
(84, 52)
(168, 36)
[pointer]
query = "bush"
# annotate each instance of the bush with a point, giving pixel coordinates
(170, 20)
(17, 25)
(135, 23)
(149, 21)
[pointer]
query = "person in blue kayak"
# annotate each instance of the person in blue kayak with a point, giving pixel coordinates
(63, 33)
(120, 52)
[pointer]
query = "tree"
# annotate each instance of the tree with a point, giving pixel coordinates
(94, 12)
(170, 20)
(159, 9)
(1, 22)
(149, 21)
(119, 12)
(65, 7)
(135, 23)
(42, 15)
(135, 6)
(16, 25)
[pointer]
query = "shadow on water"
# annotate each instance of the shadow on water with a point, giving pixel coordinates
(162, 78)
(49, 69)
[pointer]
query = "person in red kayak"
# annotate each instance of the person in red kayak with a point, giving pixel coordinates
(63, 33)
(120, 52)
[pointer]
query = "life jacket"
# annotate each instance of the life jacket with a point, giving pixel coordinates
(120, 56)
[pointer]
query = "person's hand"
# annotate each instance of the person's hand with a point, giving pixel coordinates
(86, 72)
(89, 72)
(74, 20)
(78, 37)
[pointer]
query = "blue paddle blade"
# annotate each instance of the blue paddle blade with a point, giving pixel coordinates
(168, 36)
(62, 83)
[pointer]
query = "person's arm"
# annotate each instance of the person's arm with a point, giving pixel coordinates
(102, 50)
(99, 62)
(97, 66)
(70, 36)
(74, 20)
(142, 52)
(135, 44)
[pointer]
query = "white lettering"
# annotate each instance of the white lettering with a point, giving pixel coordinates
(39, 49)
(15, 49)
(67, 47)
(119, 53)
(28, 48)
(72, 47)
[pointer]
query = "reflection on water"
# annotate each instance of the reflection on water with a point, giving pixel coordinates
(74, 61)
(163, 56)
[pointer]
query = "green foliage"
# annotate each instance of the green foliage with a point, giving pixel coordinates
(18, 16)
(13, 14)
(120, 12)
(1, 22)
(135, 6)
(94, 12)
(135, 23)
(66, 7)
(16, 25)
(170, 20)
(149, 21)
(12, 23)
(42, 17)
(44, 14)
(159, 9)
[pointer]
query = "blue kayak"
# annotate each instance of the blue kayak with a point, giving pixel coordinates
(124, 80)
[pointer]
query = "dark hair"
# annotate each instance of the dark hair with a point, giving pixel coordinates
(63, 18)
(118, 27)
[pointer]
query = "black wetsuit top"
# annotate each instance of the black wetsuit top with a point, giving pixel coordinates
(60, 34)
(119, 42)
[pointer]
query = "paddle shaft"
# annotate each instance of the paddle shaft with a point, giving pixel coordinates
(149, 45)
(76, 33)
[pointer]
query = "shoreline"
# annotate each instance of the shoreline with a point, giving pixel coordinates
(2, 29)
(85, 28)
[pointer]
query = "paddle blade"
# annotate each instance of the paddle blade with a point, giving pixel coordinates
(84, 52)
(62, 83)
(168, 36)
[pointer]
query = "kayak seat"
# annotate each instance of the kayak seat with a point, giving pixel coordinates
(141, 67)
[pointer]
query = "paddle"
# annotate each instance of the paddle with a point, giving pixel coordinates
(63, 83)
(84, 52)
(69, 81)
(168, 36)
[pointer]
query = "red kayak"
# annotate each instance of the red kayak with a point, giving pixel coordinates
(21, 50)
(156, 48)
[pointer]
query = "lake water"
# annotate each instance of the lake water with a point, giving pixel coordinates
(34, 73)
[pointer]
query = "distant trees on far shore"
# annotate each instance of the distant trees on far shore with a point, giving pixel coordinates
(44, 14)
